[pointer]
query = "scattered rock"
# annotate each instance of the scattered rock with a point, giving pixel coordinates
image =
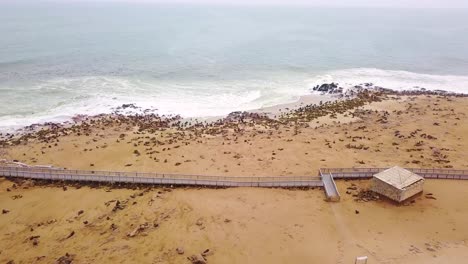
(5, 211)
(356, 211)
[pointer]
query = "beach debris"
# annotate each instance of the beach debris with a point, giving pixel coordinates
(356, 211)
(430, 196)
(138, 230)
(80, 212)
(227, 220)
(197, 259)
(65, 259)
(180, 250)
(18, 196)
(5, 211)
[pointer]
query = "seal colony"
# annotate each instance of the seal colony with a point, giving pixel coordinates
(364, 127)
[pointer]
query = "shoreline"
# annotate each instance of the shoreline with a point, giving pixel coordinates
(319, 95)
(270, 111)
(151, 143)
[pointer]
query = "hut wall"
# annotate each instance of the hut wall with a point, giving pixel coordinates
(412, 190)
(385, 189)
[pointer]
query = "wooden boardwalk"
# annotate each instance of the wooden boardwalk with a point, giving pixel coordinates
(331, 191)
(363, 173)
(158, 178)
(326, 177)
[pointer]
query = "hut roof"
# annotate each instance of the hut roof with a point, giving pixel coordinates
(398, 177)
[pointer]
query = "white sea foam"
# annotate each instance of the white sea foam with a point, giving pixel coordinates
(58, 100)
(396, 80)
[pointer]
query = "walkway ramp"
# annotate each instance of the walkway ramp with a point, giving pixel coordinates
(330, 188)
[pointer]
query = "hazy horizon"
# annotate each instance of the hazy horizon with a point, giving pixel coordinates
(311, 3)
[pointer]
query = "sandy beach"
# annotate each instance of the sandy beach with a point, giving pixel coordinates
(148, 225)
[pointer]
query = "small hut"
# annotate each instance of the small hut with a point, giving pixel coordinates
(397, 183)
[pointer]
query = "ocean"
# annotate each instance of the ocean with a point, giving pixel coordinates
(59, 60)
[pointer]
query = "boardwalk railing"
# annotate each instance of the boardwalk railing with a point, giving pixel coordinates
(353, 173)
(157, 178)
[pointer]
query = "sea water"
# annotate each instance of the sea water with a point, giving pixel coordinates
(62, 59)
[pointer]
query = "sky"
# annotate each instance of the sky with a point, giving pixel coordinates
(331, 3)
